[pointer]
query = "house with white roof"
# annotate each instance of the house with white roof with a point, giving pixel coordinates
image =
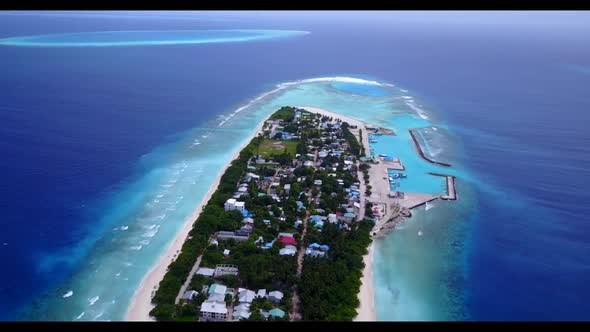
(213, 311)
(288, 250)
(206, 272)
(242, 311)
(246, 295)
(261, 293)
(275, 296)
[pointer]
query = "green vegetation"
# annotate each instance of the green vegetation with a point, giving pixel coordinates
(355, 147)
(269, 148)
(329, 287)
(286, 113)
(212, 219)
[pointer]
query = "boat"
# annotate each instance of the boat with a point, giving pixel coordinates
(419, 233)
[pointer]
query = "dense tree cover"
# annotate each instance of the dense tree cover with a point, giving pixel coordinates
(355, 147)
(329, 286)
(286, 113)
(212, 219)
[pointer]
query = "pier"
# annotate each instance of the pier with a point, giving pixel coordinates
(421, 153)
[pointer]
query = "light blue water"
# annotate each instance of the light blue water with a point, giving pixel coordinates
(146, 37)
(360, 89)
(172, 180)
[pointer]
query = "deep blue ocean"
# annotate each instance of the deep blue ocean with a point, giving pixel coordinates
(77, 123)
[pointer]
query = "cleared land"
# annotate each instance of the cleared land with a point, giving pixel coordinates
(269, 147)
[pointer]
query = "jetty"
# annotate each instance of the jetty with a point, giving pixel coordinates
(421, 153)
(451, 190)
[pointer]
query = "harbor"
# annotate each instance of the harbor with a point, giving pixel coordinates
(392, 204)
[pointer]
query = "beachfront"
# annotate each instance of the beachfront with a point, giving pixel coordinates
(141, 303)
(392, 209)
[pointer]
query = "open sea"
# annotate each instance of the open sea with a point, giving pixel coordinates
(114, 125)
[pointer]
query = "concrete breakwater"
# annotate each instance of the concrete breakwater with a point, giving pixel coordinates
(421, 153)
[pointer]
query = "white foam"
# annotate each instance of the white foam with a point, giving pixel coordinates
(285, 85)
(402, 90)
(127, 263)
(151, 232)
(118, 274)
(152, 226)
(434, 128)
(80, 315)
(418, 110)
(93, 300)
(136, 247)
(144, 242)
(124, 228)
(68, 294)
(98, 316)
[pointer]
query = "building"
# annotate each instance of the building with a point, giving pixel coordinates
(287, 240)
(226, 235)
(277, 313)
(242, 311)
(225, 269)
(275, 296)
(332, 218)
(287, 188)
(349, 217)
(240, 206)
(189, 295)
(261, 293)
(206, 272)
(246, 295)
(213, 311)
(217, 289)
(288, 250)
(245, 230)
(230, 204)
(226, 252)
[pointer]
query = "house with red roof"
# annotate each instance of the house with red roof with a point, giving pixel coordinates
(287, 240)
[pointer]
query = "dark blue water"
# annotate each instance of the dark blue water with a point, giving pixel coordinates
(515, 89)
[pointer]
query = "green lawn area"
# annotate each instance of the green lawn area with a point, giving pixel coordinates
(269, 147)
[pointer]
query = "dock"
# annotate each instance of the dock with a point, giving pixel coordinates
(421, 153)
(414, 200)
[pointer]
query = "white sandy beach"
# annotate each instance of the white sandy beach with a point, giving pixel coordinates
(141, 303)
(366, 311)
(351, 121)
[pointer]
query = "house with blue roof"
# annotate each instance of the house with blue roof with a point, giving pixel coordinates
(277, 313)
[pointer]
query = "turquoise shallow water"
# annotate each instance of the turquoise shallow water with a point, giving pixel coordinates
(176, 176)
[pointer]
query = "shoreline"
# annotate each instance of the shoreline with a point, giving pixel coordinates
(141, 303)
(366, 310)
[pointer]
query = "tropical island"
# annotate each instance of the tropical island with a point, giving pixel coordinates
(287, 233)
